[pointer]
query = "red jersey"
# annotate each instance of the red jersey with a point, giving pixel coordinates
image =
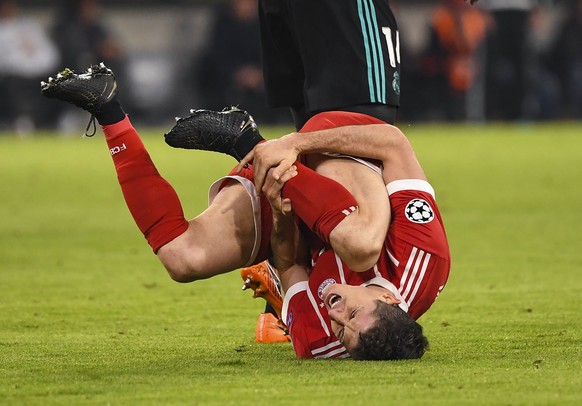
(414, 266)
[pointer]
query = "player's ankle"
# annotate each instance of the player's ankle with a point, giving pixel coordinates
(110, 113)
(245, 143)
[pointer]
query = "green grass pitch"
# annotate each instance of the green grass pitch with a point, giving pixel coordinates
(89, 316)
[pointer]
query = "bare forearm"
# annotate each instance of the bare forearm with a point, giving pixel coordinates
(297, 273)
(285, 256)
(382, 142)
(370, 141)
(283, 242)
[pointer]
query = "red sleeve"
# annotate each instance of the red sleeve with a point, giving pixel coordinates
(296, 323)
(428, 234)
(418, 243)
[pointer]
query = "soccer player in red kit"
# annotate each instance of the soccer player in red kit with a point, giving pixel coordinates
(331, 310)
(233, 232)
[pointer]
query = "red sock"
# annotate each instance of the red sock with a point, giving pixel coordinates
(322, 203)
(152, 201)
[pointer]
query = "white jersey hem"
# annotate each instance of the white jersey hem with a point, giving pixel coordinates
(410, 184)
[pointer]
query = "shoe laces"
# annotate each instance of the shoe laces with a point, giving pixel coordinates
(90, 124)
(274, 281)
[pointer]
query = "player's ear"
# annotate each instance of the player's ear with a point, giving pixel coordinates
(389, 298)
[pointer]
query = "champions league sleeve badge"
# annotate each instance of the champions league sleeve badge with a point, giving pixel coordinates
(419, 211)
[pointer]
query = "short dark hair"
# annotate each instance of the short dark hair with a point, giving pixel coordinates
(395, 335)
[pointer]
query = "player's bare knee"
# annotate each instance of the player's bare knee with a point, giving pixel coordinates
(182, 268)
(182, 274)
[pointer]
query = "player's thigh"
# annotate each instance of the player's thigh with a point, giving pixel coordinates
(219, 240)
(365, 184)
(361, 235)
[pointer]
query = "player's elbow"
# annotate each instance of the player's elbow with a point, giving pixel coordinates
(395, 144)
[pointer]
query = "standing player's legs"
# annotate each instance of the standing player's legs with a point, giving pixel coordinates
(283, 73)
(353, 64)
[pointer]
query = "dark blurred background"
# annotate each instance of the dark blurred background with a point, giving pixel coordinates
(504, 60)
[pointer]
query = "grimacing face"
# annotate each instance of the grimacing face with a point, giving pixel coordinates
(351, 308)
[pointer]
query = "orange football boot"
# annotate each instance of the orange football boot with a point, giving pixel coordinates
(263, 280)
(271, 330)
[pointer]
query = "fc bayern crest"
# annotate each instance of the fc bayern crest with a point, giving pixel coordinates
(324, 285)
(419, 211)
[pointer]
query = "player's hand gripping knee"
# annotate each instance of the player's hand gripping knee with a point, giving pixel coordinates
(272, 190)
(278, 154)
